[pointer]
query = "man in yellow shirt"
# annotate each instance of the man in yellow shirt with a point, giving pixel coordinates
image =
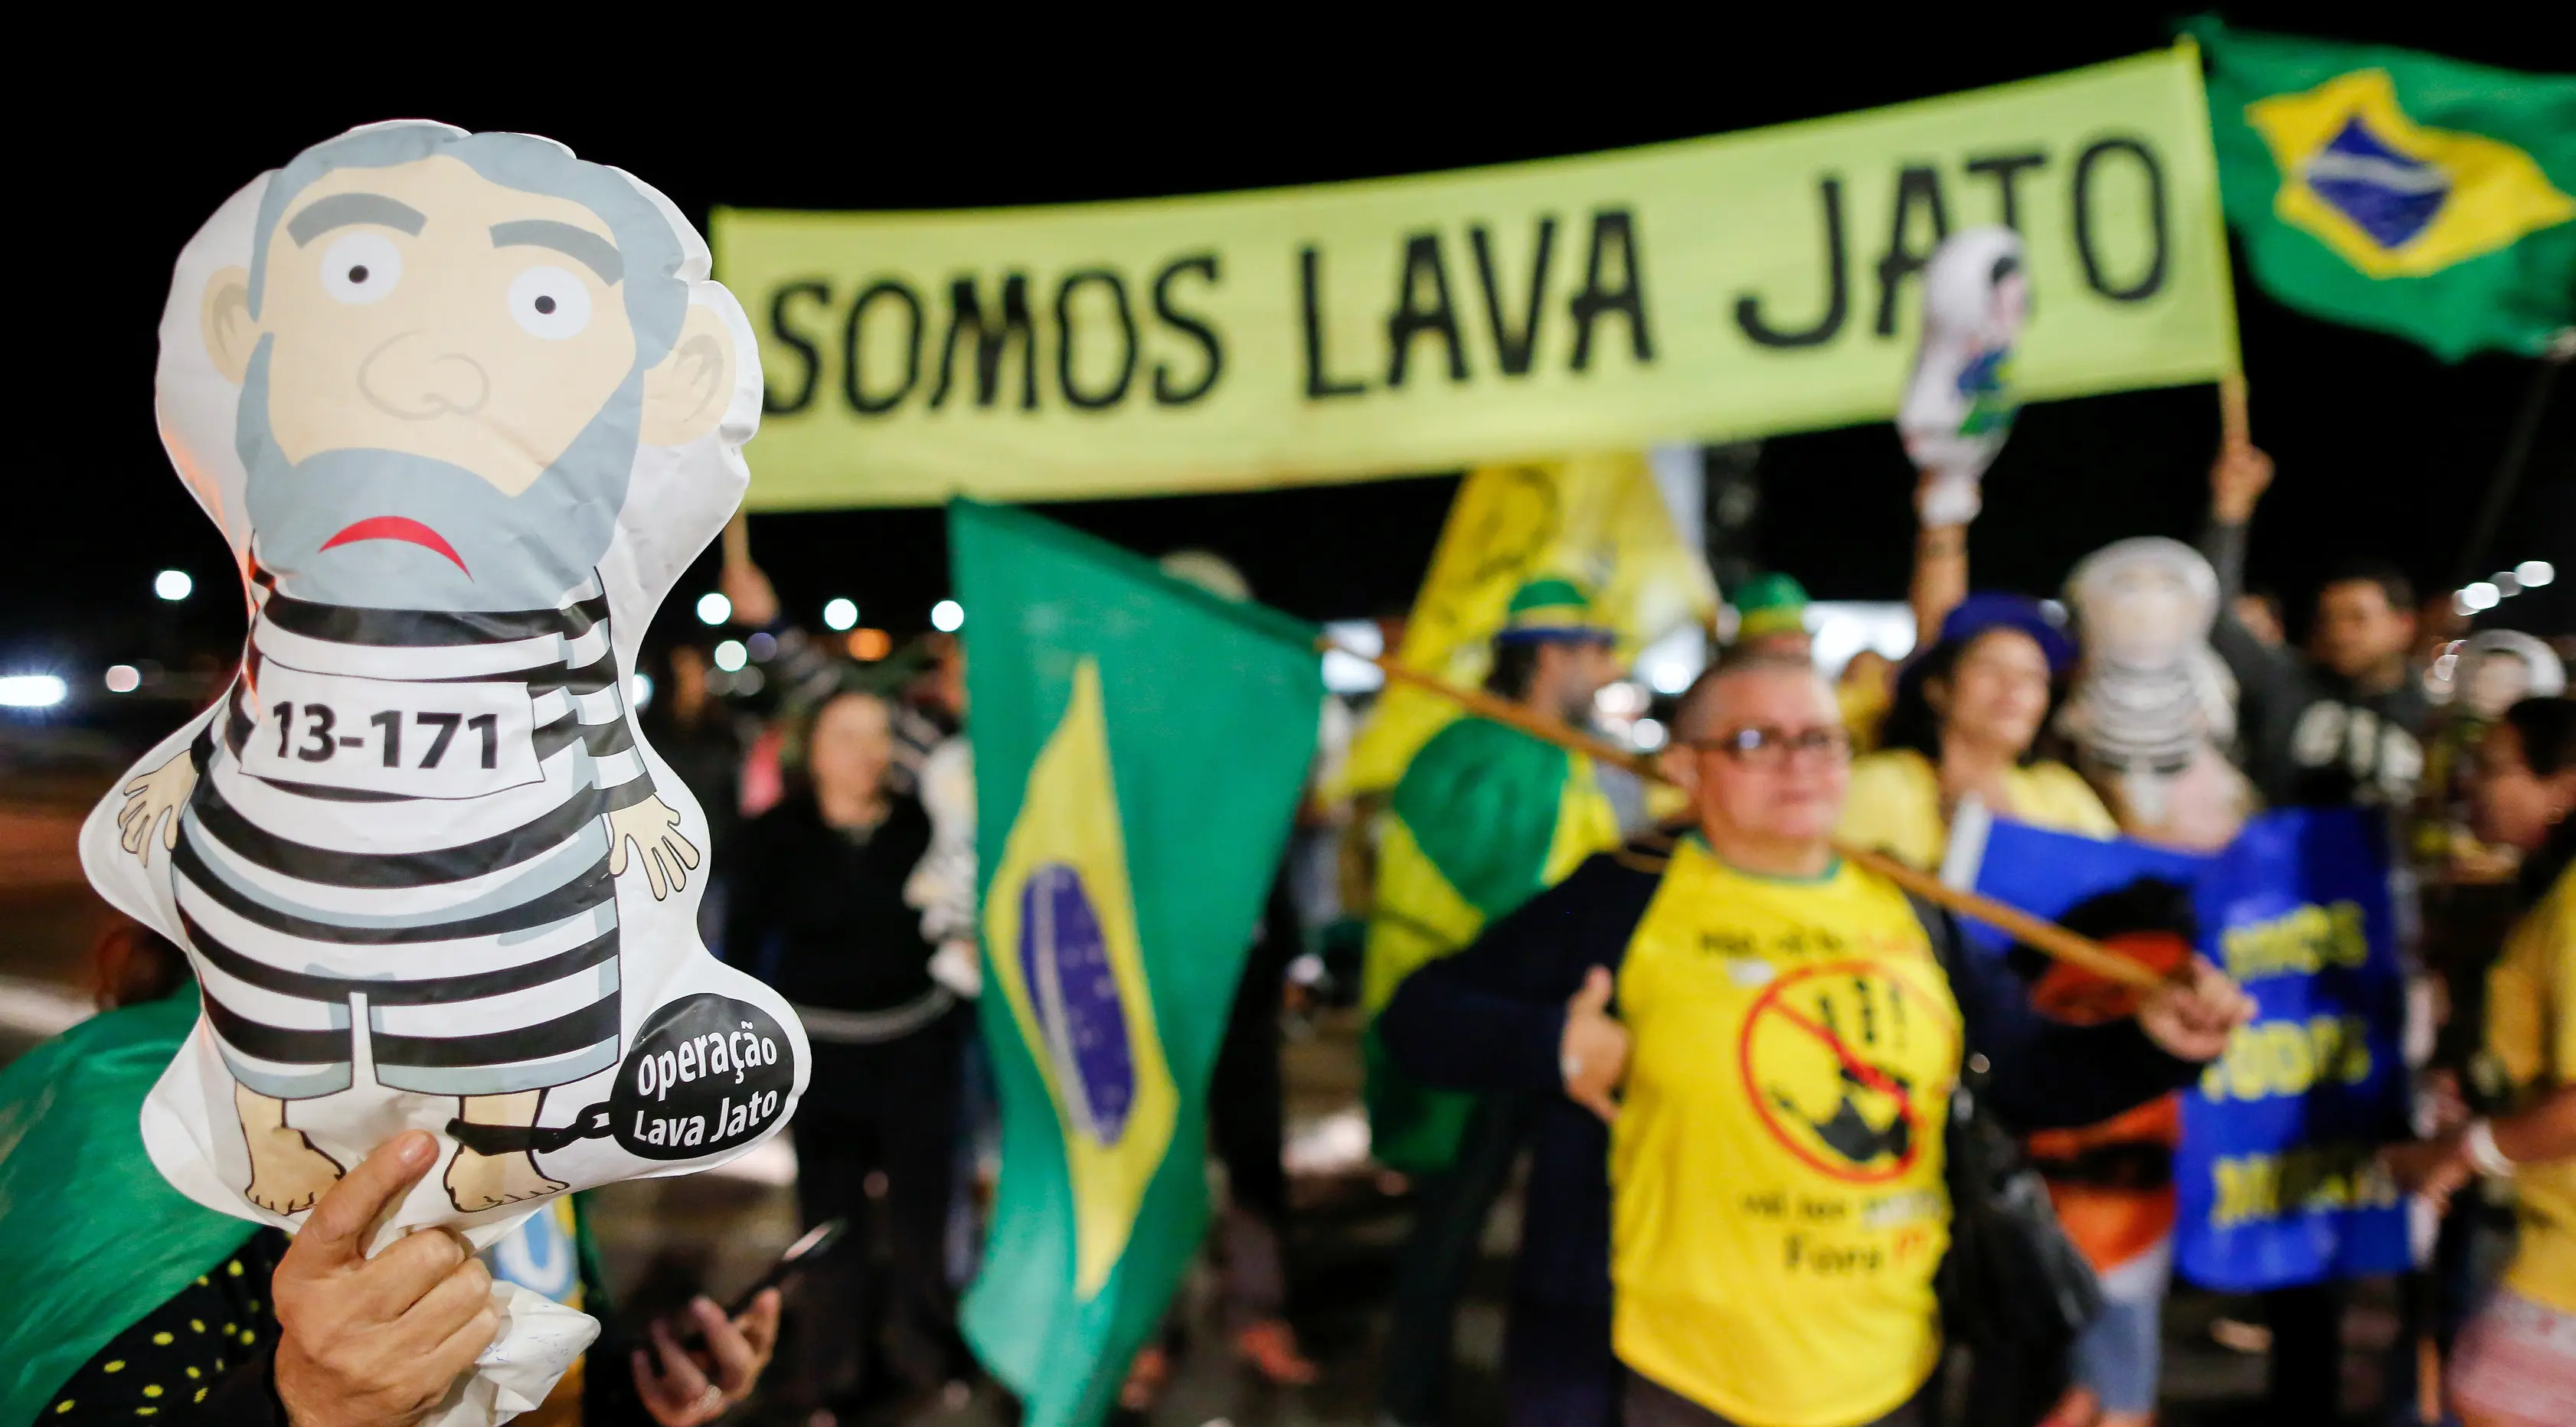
(1772, 1039)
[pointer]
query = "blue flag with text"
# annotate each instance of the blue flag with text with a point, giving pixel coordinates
(2275, 1175)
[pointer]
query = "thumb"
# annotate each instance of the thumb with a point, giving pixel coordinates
(335, 1234)
(1594, 998)
(1603, 1108)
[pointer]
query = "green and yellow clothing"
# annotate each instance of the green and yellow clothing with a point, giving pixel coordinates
(2531, 1031)
(1777, 1206)
(1895, 805)
(1484, 818)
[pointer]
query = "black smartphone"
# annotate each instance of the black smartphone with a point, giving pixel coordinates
(810, 1248)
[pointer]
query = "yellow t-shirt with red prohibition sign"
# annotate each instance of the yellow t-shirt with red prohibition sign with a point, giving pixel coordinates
(1777, 1203)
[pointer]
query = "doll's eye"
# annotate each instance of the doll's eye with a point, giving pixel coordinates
(361, 268)
(550, 302)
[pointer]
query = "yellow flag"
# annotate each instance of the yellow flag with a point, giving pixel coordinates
(1597, 518)
(1060, 923)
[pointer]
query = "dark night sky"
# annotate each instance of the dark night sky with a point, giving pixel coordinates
(2383, 451)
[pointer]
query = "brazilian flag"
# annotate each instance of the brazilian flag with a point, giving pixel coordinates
(1140, 748)
(2399, 191)
(96, 1236)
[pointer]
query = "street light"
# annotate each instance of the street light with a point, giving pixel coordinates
(840, 614)
(2478, 594)
(173, 585)
(714, 608)
(947, 616)
(2532, 574)
(31, 691)
(730, 655)
(123, 678)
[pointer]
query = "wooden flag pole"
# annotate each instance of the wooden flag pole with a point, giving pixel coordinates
(737, 540)
(2234, 427)
(2034, 931)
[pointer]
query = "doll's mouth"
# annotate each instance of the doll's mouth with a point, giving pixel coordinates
(399, 527)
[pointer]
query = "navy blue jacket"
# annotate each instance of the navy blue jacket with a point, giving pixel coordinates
(1493, 1016)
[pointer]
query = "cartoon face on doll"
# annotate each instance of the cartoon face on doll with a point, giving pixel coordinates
(1976, 290)
(447, 362)
(2499, 668)
(2144, 603)
(2498, 682)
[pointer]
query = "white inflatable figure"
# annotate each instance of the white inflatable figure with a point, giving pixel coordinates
(2153, 708)
(2499, 668)
(1958, 405)
(464, 406)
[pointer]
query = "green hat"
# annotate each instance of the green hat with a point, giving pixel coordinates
(1770, 604)
(1552, 607)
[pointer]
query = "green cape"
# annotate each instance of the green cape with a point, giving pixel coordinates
(96, 1238)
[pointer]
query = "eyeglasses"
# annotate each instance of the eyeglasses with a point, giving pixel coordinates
(1773, 747)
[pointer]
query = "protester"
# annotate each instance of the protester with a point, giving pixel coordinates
(1971, 715)
(2515, 1362)
(2487, 673)
(2345, 723)
(251, 1326)
(1771, 616)
(818, 911)
(1772, 1236)
(1483, 819)
(1966, 724)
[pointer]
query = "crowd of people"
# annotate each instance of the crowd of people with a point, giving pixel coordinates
(1742, 1205)
(1700, 1279)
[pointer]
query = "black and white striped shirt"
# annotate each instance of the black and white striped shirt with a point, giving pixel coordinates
(399, 817)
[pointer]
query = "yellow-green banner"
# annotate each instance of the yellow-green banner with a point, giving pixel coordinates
(1714, 288)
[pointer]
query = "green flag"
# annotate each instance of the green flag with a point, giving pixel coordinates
(96, 1237)
(1140, 745)
(2399, 191)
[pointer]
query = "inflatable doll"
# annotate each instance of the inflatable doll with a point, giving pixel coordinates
(1958, 405)
(2154, 710)
(464, 406)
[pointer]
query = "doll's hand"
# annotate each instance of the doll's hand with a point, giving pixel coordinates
(654, 827)
(163, 791)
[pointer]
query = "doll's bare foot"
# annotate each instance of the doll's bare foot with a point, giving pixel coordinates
(287, 1174)
(487, 1181)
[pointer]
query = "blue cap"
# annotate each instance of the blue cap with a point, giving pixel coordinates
(1978, 613)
